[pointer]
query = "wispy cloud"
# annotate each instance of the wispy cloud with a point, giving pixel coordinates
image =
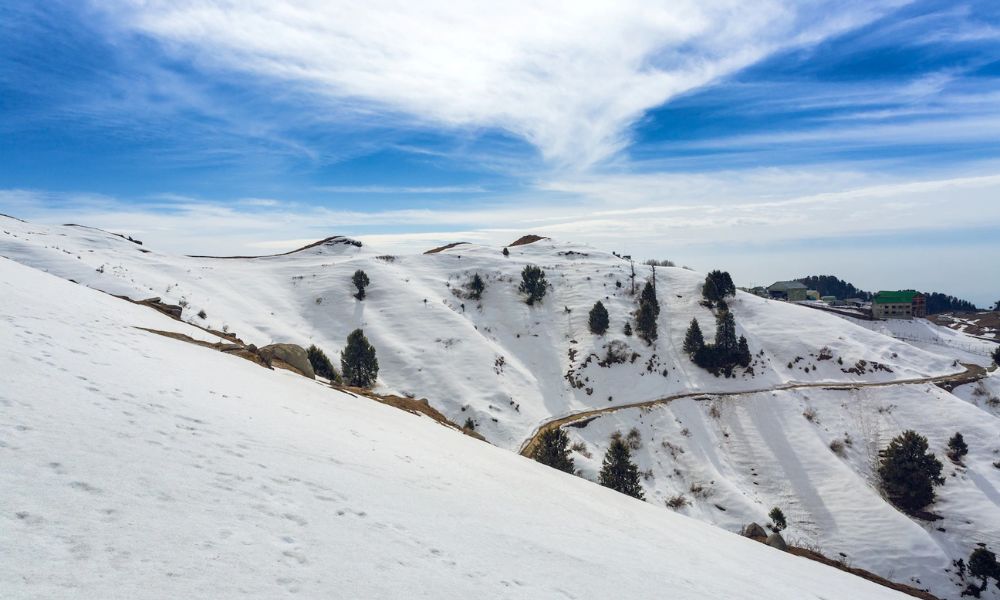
(568, 77)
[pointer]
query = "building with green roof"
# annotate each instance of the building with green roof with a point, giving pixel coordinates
(899, 304)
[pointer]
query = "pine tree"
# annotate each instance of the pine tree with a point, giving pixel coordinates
(983, 564)
(476, 287)
(321, 364)
(645, 322)
(778, 518)
(506, 252)
(360, 279)
(693, 339)
(908, 472)
(627, 330)
(725, 335)
(649, 295)
(996, 356)
(743, 356)
(357, 361)
(598, 319)
(618, 472)
(532, 284)
(553, 450)
(718, 285)
(957, 448)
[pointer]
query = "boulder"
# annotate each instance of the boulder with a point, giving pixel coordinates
(753, 530)
(776, 541)
(292, 355)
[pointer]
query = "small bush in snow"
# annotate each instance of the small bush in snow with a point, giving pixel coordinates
(778, 519)
(678, 501)
(321, 364)
(957, 448)
(532, 284)
(909, 472)
(357, 361)
(360, 280)
(476, 287)
(627, 330)
(202, 314)
(837, 447)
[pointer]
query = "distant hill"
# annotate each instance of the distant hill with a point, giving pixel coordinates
(830, 285)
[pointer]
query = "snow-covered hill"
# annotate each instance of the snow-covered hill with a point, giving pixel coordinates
(812, 453)
(506, 365)
(512, 368)
(137, 466)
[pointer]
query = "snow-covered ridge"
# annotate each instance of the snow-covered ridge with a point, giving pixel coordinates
(137, 466)
(506, 365)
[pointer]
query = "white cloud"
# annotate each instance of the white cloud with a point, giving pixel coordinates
(568, 76)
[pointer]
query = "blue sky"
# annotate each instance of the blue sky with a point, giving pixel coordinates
(775, 140)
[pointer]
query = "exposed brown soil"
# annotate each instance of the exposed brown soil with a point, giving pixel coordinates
(984, 325)
(336, 239)
(899, 587)
(445, 247)
(524, 240)
(413, 405)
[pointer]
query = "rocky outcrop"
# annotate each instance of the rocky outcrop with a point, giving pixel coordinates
(293, 355)
(754, 531)
(776, 541)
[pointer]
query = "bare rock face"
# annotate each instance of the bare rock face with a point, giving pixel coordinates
(292, 355)
(776, 541)
(755, 531)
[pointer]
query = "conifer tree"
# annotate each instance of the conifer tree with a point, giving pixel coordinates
(908, 472)
(627, 330)
(598, 319)
(553, 450)
(725, 335)
(983, 564)
(357, 361)
(957, 448)
(360, 280)
(618, 472)
(506, 252)
(649, 295)
(743, 356)
(532, 284)
(693, 339)
(321, 364)
(476, 287)
(649, 309)
(996, 356)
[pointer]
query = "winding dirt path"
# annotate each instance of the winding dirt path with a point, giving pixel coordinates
(971, 374)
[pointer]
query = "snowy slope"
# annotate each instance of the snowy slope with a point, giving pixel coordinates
(137, 466)
(506, 365)
(733, 459)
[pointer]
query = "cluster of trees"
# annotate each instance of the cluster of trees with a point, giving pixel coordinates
(939, 303)
(358, 364)
(618, 472)
(830, 285)
(725, 354)
(718, 286)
